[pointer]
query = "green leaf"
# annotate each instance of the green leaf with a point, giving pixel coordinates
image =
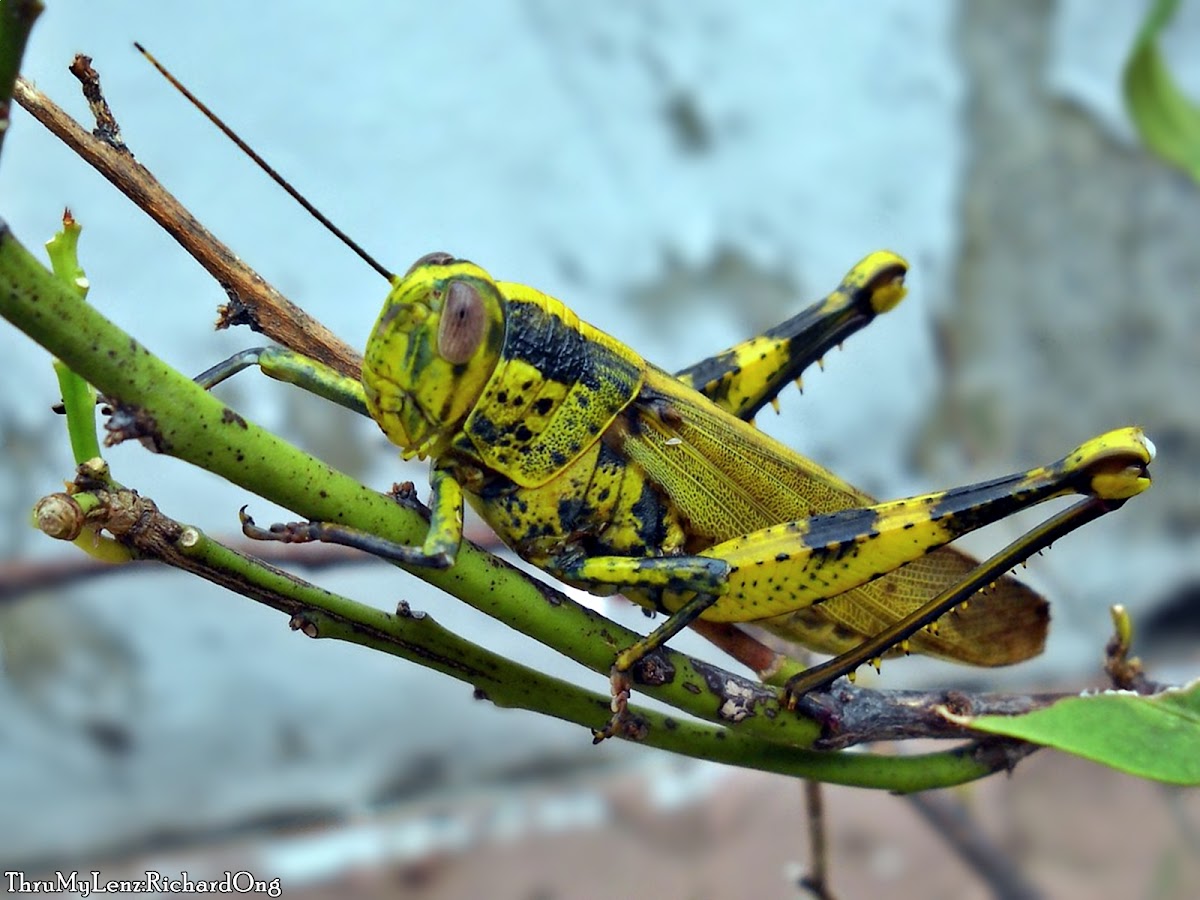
(1167, 121)
(1154, 737)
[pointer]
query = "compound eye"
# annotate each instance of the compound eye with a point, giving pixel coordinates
(436, 258)
(460, 331)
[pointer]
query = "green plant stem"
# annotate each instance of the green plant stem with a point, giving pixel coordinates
(180, 419)
(16, 21)
(418, 638)
(168, 411)
(79, 397)
(79, 401)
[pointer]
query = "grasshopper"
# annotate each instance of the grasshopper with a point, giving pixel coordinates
(612, 475)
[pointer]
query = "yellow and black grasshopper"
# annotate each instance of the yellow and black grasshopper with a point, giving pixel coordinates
(613, 475)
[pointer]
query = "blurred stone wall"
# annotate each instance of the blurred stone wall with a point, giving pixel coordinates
(1076, 304)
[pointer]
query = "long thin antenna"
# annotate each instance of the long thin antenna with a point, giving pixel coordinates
(262, 164)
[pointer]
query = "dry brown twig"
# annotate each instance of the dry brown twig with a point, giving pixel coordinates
(252, 301)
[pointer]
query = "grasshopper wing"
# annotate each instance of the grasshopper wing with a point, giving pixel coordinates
(729, 479)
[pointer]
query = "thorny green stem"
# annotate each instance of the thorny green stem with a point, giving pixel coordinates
(416, 637)
(176, 417)
(509, 684)
(173, 415)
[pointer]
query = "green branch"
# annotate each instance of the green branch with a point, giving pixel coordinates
(171, 413)
(79, 397)
(416, 637)
(168, 411)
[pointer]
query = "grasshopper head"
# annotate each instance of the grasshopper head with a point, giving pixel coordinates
(431, 352)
